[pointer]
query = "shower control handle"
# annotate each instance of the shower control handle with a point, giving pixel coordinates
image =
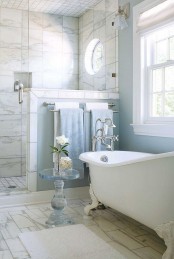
(19, 87)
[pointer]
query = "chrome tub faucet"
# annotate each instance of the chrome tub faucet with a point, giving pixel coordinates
(104, 134)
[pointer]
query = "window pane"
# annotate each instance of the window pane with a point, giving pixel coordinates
(169, 78)
(156, 105)
(161, 51)
(157, 80)
(97, 57)
(169, 104)
(171, 42)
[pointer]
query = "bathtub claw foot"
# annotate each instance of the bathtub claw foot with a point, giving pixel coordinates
(94, 203)
(166, 231)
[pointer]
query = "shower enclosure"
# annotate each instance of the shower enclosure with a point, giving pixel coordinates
(42, 46)
(14, 76)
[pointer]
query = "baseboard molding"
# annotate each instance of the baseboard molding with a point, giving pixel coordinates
(41, 197)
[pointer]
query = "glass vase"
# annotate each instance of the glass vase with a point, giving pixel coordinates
(57, 167)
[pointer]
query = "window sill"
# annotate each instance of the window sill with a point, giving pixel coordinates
(157, 130)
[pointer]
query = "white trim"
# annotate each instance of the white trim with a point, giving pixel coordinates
(42, 197)
(71, 94)
(157, 130)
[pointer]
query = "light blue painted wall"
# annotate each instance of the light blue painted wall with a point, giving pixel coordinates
(128, 140)
(46, 138)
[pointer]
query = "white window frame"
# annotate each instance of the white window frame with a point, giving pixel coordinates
(140, 127)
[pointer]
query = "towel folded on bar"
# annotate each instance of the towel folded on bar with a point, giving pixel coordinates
(58, 106)
(65, 105)
(94, 106)
(70, 123)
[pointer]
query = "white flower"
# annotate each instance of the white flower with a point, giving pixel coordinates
(65, 163)
(62, 140)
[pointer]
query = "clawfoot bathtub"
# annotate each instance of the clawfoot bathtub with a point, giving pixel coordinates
(139, 185)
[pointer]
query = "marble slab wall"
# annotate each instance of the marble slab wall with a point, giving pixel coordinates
(53, 51)
(46, 46)
(97, 24)
(51, 48)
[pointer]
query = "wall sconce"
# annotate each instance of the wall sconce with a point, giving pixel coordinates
(120, 22)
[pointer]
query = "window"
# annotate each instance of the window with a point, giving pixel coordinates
(153, 71)
(158, 48)
(94, 56)
(97, 57)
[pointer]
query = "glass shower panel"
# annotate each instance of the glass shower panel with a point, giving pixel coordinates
(14, 53)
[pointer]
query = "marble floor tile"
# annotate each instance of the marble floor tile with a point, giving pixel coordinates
(3, 245)
(74, 203)
(134, 231)
(100, 233)
(68, 210)
(78, 219)
(130, 238)
(122, 222)
(153, 242)
(22, 221)
(147, 253)
(10, 231)
(105, 214)
(123, 239)
(41, 206)
(35, 213)
(79, 210)
(124, 251)
(104, 224)
(86, 201)
(5, 255)
(18, 182)
(24, 230)
(17, 249)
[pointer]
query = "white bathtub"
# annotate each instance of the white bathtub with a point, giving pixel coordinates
(139, 185)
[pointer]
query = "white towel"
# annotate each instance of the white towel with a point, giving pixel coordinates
(65, 105)
(96, 106)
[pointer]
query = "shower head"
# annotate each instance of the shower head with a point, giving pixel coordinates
(111, 124)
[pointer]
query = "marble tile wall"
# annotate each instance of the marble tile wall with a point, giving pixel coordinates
(97, 23)
(51, 48)
(47, 47)
(53, 51)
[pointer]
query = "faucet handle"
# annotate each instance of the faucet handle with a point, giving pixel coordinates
(116, 138)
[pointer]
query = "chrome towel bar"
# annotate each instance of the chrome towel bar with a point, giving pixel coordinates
(52, 104)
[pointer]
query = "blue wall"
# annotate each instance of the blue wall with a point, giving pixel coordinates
(128, 140)
(46, 138)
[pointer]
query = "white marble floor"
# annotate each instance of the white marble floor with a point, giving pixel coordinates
(131, 238)
(8, 184)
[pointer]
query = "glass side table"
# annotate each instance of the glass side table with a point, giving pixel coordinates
(58, 201)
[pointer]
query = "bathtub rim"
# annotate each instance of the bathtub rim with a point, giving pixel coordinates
(87, 159)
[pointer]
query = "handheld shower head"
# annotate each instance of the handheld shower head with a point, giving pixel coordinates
(110, 124)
